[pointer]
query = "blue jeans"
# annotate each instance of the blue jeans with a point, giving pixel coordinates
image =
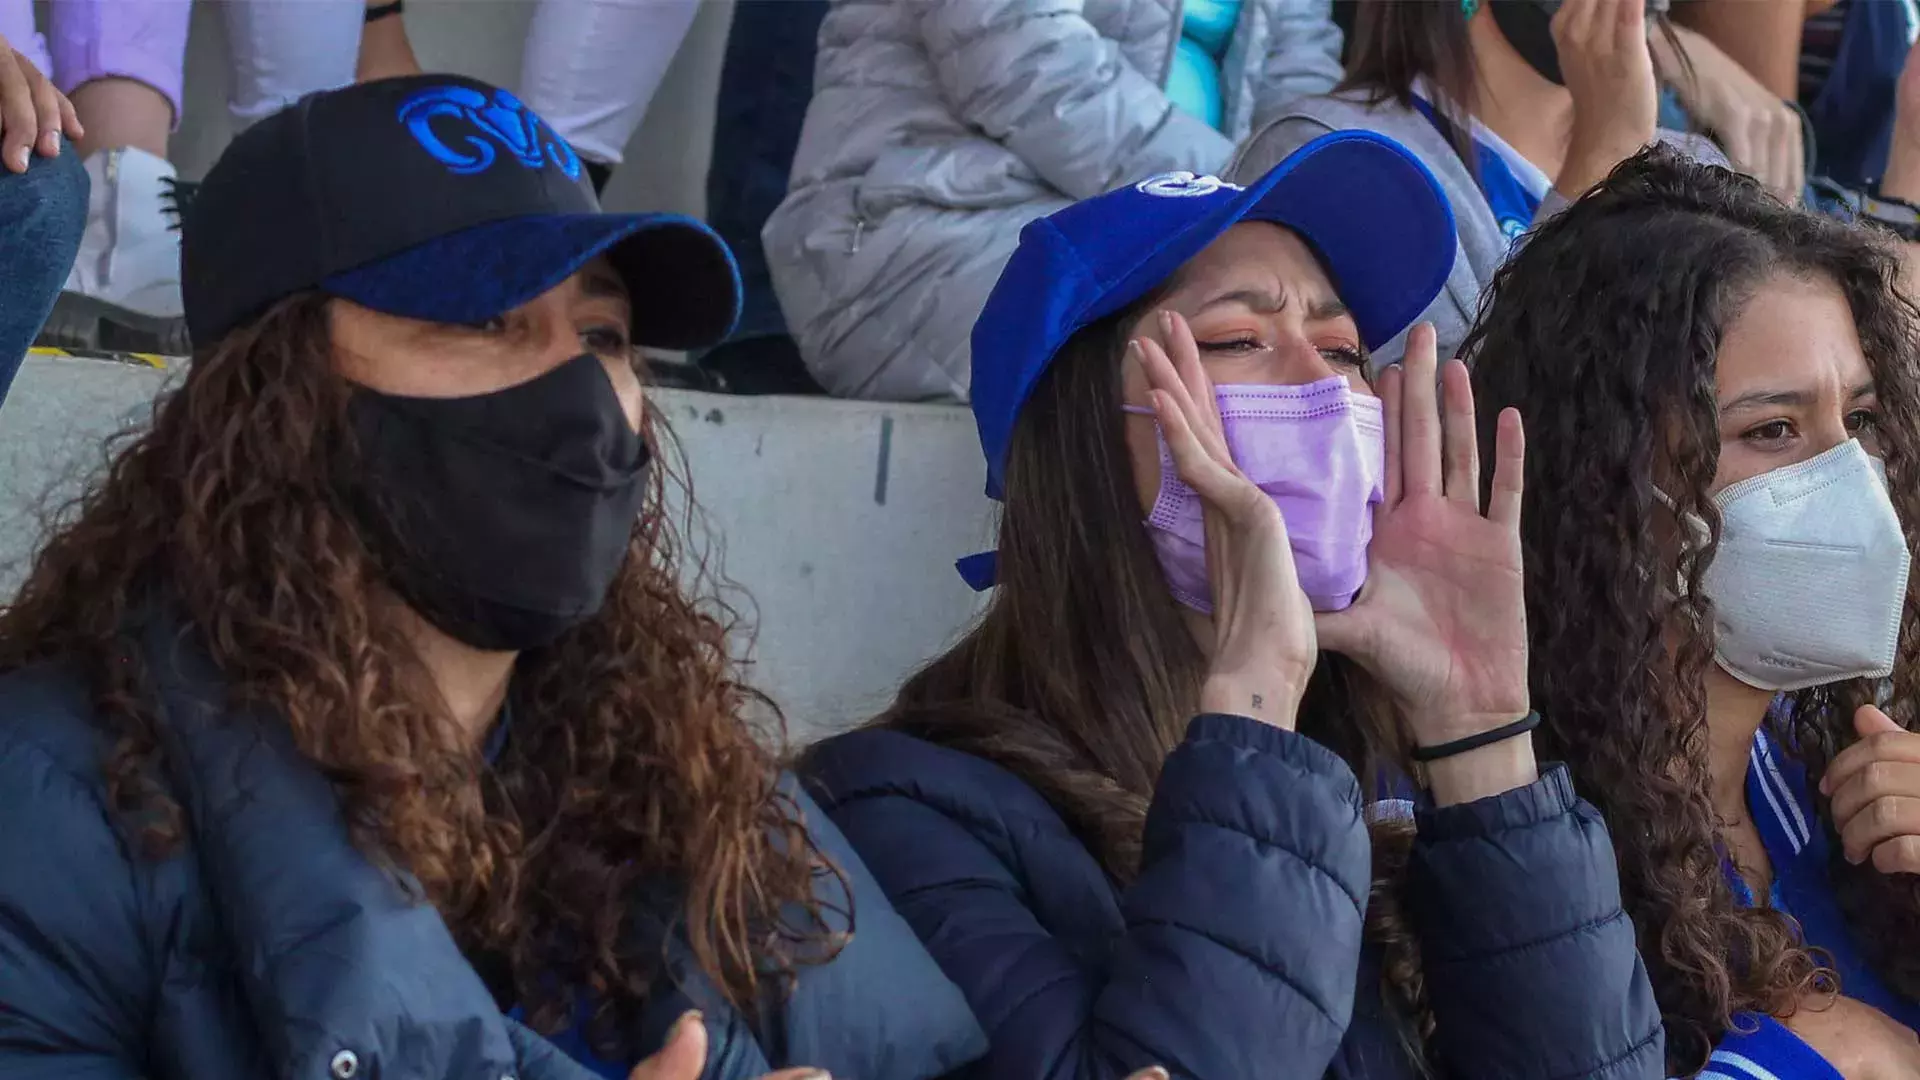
(42, 213)
(765, 84)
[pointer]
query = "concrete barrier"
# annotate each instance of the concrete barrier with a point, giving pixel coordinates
(840, 520)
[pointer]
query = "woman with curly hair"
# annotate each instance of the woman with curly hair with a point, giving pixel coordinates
(363, 699)
(1123, 811)
(1724, 468)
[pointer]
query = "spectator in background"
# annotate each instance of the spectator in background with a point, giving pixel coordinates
(43, 202)
(765, 84)
(122, 62)
(938, 128)
(384, 621)
(1516, 115)
(1723, 408)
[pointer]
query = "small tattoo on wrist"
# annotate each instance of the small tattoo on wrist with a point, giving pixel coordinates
(1258, 701)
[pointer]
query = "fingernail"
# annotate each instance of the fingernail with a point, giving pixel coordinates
(687, 1019)
(1133, 349)
(23, 158)
(1166, 322)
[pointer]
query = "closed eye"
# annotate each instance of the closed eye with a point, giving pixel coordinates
(1232, 347)
(1345, 356)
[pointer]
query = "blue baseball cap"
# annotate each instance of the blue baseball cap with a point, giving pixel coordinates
(1366, 205)
(432, 197)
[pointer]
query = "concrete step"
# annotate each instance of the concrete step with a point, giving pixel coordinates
(839, 520)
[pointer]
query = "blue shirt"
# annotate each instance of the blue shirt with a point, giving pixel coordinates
(1783, 811)
(1512, 185)
(1761, 1048)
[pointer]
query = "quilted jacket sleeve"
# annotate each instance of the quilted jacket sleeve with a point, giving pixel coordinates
(1531, 964)
(1245, 918)
(1035, 76)
(74, 981)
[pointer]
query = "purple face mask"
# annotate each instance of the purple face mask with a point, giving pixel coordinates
(1319, 452)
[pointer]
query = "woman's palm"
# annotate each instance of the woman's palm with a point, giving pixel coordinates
(1444, 598)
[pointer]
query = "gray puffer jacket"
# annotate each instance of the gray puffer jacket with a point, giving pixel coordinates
(938, 128)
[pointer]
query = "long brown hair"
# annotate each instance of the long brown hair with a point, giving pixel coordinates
(1603, 331)
(633, 801)
(1081, 675)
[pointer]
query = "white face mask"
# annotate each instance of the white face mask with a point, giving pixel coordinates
(1811, 576)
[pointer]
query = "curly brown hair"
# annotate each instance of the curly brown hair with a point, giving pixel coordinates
(1603, 331)
(635, 802)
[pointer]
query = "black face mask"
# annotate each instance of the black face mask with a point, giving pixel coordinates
(503, 518)
(1528, 27)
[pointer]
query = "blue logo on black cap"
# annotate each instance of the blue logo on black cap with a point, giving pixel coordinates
(500, 122)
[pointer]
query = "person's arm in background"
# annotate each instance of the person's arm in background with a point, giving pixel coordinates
(1762, 36)
(385, 52)
(1303, 59)
(1761, 133)
(43, 203)
(1036, 77)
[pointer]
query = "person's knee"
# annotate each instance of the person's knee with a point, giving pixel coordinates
(47, 212)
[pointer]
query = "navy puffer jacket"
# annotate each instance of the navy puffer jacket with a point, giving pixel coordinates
(270, 947)
(1237, 952)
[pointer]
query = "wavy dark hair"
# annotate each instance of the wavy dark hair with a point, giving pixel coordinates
(1603, 332)
(1081, 675)
(634, 802)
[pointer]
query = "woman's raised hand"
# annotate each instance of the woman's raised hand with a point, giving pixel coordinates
(1264, 646)
(1442, 621)
(1608, 68)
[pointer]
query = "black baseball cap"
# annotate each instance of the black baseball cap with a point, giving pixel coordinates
(433, 197)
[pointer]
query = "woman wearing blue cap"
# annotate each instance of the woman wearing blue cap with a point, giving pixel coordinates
(1123, 811)
(360, 718)
(1720, 600)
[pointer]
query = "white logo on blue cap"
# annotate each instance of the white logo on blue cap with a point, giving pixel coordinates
(1183, 185)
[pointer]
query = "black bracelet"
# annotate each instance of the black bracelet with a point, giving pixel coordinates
(375, 14)
(1474, 742)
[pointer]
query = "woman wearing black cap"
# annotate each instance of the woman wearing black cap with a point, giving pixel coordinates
(1123, 811)
(361, 699)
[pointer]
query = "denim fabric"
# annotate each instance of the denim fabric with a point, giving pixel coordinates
(42, 213)
(765, 84)
(1853, 115)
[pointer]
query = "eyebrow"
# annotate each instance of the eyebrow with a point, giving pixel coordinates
(1791, 398)
(603, 285)
(1267, 303)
